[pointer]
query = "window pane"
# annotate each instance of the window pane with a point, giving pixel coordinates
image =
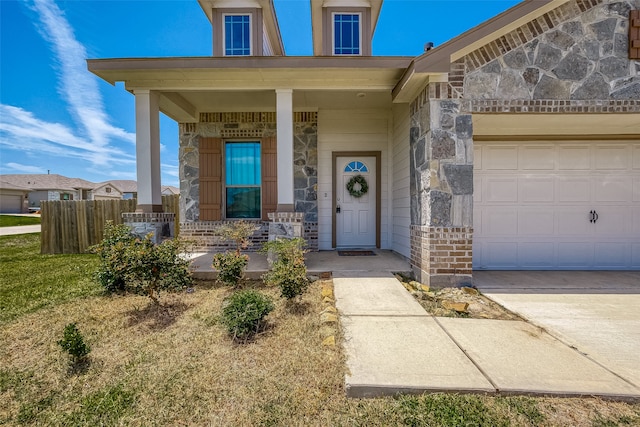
(243, 202)
(243, 179)
(346, 34)
(243, 163)
(237, 30)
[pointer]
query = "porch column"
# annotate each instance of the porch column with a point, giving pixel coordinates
(284, 123)
(148, 151)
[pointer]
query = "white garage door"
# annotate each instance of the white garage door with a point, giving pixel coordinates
(10, 203)
(557, 205)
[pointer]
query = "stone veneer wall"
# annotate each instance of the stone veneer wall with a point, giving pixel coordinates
(573, 59)
(441, 191)
(247, 125)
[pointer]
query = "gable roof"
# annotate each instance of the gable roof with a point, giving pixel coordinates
(47, 182)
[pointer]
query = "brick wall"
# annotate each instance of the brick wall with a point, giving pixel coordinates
(441, 256)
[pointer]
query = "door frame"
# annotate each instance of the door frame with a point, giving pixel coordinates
(334, 158)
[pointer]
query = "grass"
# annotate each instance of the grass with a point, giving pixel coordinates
(14, 220)
(177, 366)
(30, 281)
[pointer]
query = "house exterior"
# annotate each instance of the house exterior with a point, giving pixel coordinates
(13, 198)
(50, 187)
(513, 146)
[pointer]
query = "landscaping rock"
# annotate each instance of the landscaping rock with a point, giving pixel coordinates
(329, 341)
(328, 318)
(460, 307)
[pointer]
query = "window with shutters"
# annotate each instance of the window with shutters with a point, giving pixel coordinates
(243, 183)
(238, 179)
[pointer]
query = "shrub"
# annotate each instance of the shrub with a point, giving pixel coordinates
(243, 313)
(238, 232)
(288, 271)
(73, 343)
(112, 250)
(131, 264)
(230, 266)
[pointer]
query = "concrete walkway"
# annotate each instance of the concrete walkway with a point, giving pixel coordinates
(393, 346)
(20, 229)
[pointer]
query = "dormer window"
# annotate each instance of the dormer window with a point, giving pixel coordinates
(347, 33)
(237, 35)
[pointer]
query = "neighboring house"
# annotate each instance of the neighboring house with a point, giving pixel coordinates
(13, 198)
(128, 188)
(513, 146)
(106, 191)
(168, 190)
(50, 187)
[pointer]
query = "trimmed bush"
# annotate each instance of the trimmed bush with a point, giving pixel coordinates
(73, 343)
(243, 313)
(288, 271)
(131, 264)
(230, 266)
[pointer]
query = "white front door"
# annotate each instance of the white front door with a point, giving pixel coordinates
(355, 216)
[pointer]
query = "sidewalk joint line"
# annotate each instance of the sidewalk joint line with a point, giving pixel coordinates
(494, 385)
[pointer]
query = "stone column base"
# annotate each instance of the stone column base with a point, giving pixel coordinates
(284, 225)
(441, 256)
(160, 225)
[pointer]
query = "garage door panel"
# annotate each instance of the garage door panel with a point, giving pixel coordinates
(574, 255)
(574, 157)
(500, 189)
(612, 221)
(635, 163)
(573, 189)
(611, 255)
(477, 157)
(536, 189)
(612, 189)
(611, 157)
(636, 189)
(500, 254)
(537, 158)
(477, 184)
(536, 255)
(499, 157)
(536, 222)
(635, 255)
(572, 221)
(500, 222)
(477, 222)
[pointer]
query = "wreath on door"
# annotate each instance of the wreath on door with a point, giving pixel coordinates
(357, 186)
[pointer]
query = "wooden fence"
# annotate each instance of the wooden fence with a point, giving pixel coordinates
(73, 226)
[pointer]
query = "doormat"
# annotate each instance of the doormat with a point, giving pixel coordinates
(356, 253)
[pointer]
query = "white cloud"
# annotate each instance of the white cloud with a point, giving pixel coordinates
(77, 86)
(18, 168)
(21, 130)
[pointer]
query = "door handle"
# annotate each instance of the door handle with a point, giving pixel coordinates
(338, 209)
(593, 216)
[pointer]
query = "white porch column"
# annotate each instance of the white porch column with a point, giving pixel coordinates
(284, 117)
(148, 151)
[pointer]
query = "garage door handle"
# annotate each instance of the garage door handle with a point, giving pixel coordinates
(594, 216)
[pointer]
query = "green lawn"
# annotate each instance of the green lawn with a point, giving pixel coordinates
(30, 281)
(13, 220)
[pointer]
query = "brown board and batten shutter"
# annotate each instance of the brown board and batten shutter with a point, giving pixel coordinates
(634, 34)
(210, 179)
(269, 176)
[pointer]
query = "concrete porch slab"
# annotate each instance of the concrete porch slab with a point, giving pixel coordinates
(389, 355)
(521, 358)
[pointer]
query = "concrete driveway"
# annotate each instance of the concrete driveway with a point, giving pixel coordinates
(597, 312)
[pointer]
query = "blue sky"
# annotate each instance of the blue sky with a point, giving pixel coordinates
(56, 116)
